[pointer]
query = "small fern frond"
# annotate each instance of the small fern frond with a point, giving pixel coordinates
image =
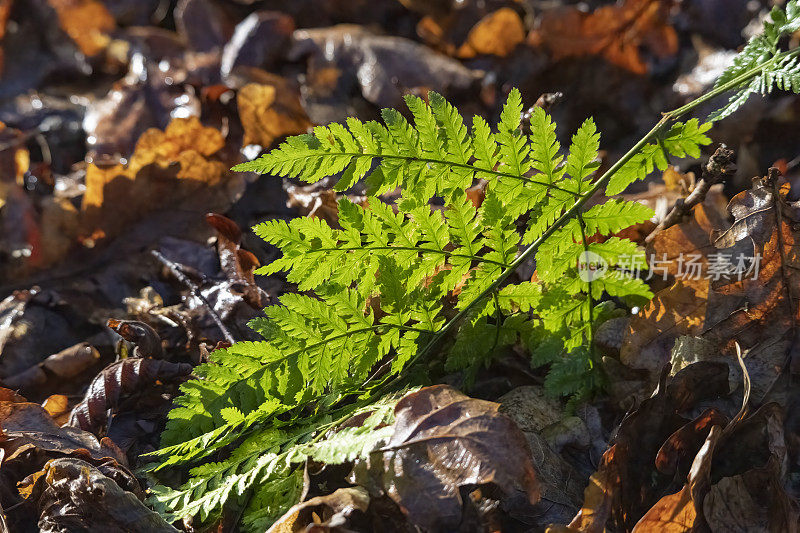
(763, 56)
(683, 139)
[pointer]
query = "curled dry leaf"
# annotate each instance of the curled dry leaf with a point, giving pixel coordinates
(236, 263)
(118, 380)
(443, 443)
(73, 495)
(65, 364)
(627, 483)
(28, 426)
(144, 337)
(331, 513)
(617, 32)
(677, 513)
(758, 307)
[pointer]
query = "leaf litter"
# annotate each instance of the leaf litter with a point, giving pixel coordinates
(123, 262)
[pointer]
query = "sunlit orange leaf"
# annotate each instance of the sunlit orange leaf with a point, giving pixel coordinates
(497, 33)
(616, 32)
(87, 22)
(675, 311)
(270, 111)
(5, 11)
(165, 166)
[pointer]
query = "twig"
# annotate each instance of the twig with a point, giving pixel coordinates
(176, 271)
(717, 168)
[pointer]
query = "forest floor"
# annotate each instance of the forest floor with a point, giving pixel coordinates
(120, 120)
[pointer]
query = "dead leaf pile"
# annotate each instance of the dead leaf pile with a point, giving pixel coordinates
(618, 33)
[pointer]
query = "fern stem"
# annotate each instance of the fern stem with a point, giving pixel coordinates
(411, 158)
(476, 258)
(731, 85)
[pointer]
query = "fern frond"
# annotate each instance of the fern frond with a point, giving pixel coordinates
(762, 53)
(681, 140)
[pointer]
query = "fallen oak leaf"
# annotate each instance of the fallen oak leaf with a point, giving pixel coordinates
(498, 34)
(444, 441)
(269, 112)
(165, 168)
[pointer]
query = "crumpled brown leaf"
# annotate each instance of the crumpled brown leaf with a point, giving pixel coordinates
(165, 168)
(28, 427)
(617, 32)
(122, 378)
(760, 314)
(383, 68)
(627, 483)
(62, 365)
(443, 444)
(331, 513)
(73, 495)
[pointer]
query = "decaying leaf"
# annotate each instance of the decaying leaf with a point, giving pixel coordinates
(331, 513)
(29, 427)
(65, 364)
(444, 443)
(627, 483)
(73, 495)
(617, 32)
(673, 312)
(383, 67)
(734, 286)
(117, 380)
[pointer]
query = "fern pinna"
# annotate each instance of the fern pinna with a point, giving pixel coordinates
(397, 287)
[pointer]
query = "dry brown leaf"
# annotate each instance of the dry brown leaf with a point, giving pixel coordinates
(269, 112)
(676, 513)
(627, 483)
(57, 406)
(87, 22)
(616, 32)
(498, 33)
(330, 513)
(165, 167)
(673, 312)
(444, 441)
(74, 495)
